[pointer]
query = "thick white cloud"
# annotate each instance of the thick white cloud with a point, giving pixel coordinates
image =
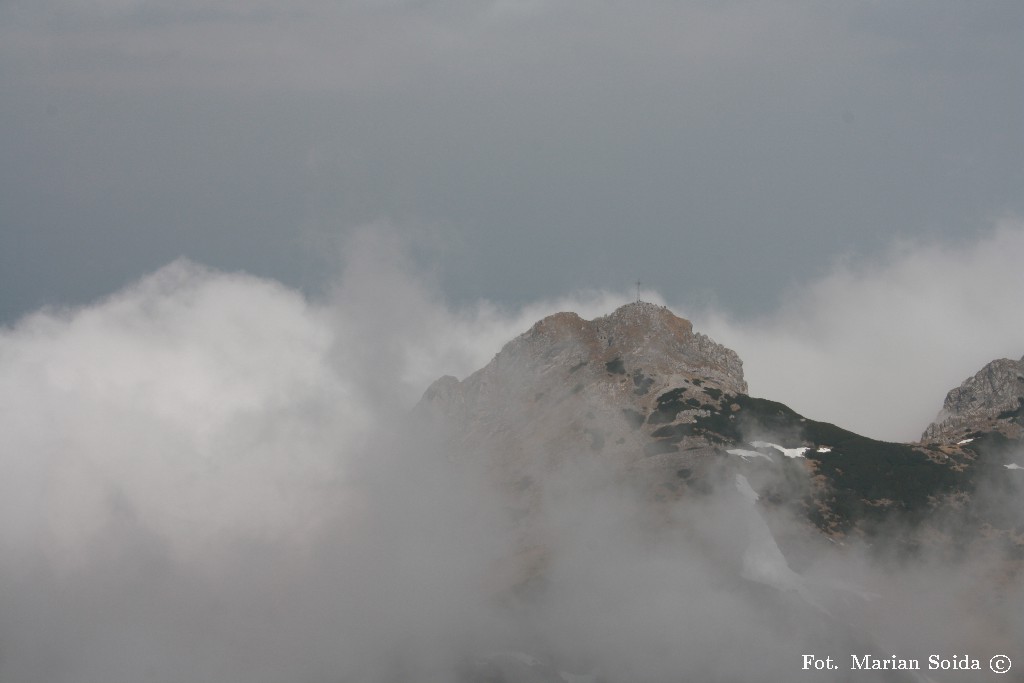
(209, 403)
(201, 402)
(203, 462)
(875, 345)
(220, 476)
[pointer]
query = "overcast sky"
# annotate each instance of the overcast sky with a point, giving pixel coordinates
(721, 152)
(239, 238)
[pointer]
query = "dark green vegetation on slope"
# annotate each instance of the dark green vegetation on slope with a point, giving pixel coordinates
(859, 483)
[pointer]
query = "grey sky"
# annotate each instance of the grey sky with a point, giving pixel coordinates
(207, 475)
(719, 151)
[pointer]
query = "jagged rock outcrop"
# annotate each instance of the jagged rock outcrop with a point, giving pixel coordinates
(641, 398)
(991, 400)
(573, 413)
(620, 394)
(573, 386)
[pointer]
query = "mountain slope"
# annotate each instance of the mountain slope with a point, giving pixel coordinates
(635, 473)
(644, 396)
(991, 400)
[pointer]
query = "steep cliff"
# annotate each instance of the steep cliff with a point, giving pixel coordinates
(991, 400)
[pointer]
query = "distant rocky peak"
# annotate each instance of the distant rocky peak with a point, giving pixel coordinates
(627, 390)
(641, 340)
(993, 399)
(639, 336)
(637, 398)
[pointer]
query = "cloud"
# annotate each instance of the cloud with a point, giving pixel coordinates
(199, 399)
(190, 456)
(209, 476)
(875, 344)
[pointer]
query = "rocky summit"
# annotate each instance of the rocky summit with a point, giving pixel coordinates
(730, 499)
(641, 395)
(622, 393)
(605, 387)
(991, 400)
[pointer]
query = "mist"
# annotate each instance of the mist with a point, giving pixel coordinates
(211, 476)
(875, 344)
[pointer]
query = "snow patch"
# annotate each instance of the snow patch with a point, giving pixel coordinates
(788, 452)
(1013, 466)
(824, 449)
(963, 441)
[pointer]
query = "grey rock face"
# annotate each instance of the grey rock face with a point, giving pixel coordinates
(991, 399)
(638, 398)
(617, 394)
(640, 337)
(575, 385)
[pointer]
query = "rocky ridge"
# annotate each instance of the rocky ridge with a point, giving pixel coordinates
(640, 394)
(991, 400)
(621, 394)
(752, 490)
(572, 386)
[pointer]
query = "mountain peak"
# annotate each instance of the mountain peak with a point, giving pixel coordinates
(594, 391)
(993, 399)
(639, 337)
(589, 392)
(644, 312)
(637, 396)
(638, 349)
